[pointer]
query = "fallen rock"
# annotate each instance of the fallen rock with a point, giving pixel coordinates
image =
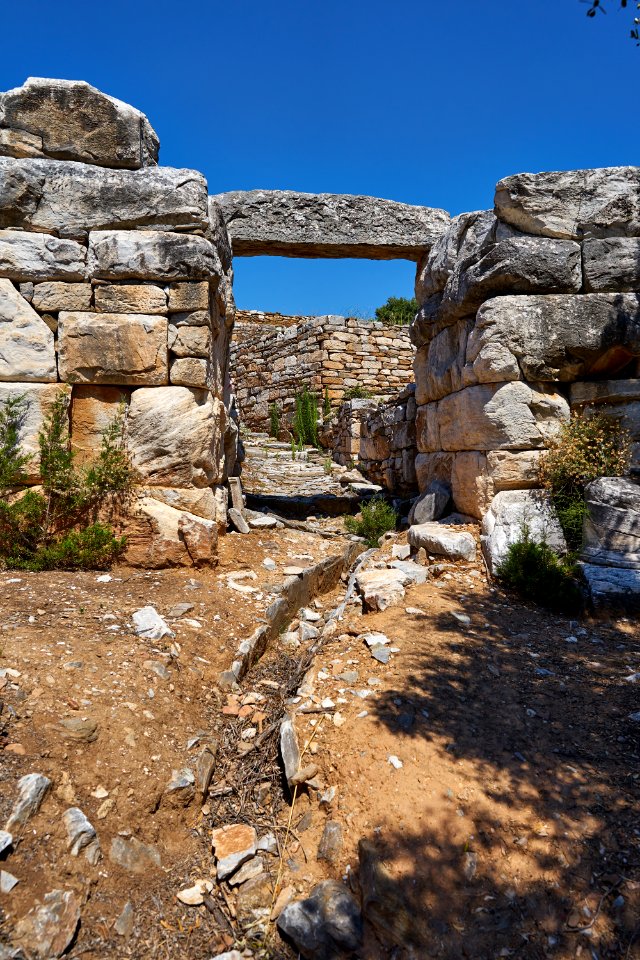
(253, 906)
(194, 896)
(148, 624)
(248, 871)
(80, 729)
(238, 521)
(181, 789)
(325, 923)
(134, 856)
(381, 588)
(414, 572)
(289, 750)
(330, 846)
(6, 841)
(612, 589)
(205, 768)
(81, 835)
(48, 929)
(32, 790)
(436, 539)
(7, 881)
(124, 924)
(430, 505)
(233, 845)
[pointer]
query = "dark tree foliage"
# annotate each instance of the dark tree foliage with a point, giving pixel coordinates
(600, 6)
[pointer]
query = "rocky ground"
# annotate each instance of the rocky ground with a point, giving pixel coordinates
(466, 768)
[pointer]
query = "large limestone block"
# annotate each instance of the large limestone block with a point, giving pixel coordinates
(612, 589)
(611, 532)
(130, 298)
(75, 121)
(554, 337)
(175, 436)
(288, 224)
(159, 536)
(151, 255)
(188, 297)
(27, 349)
(433, 467)
(573, 204)
(439, 366)
(201, 501)
(512, 514)
(38, 256)
(93, 410)
(56, 295)
(112, 348)
(462, 239)
(612, 264)
(511, 416)
(39, 399)
(188, 341)
(72, 198)
(190, 372)
(442, 541)
(476, 477)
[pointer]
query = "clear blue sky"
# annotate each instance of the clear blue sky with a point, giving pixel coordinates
(425, 101)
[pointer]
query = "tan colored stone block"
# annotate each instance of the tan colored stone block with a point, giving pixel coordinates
(112, 348)
(190, 372)
(190, 341)
(93, 409)
(130, 298)
(56, 296)
(187, 297)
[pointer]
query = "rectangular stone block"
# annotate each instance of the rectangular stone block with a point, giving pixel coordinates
(93, 410)
(130, 298)
(190, 372)
(27, 350)
(187, 297)
(189, 341)
(39, 256)
(151, 255)
(112, 348)
(56, 295)
(612, 264)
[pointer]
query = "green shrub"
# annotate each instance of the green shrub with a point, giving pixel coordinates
(305, 420)
(58, 527)
(397, 311)
(587, 448)
(538, 574)
(327, 466)
(376, 518)
(274, 421)
(356, 393)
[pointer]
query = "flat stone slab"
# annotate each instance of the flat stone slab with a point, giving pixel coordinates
(284, 223)
(233, 845)
(612, 588)
(442, 542)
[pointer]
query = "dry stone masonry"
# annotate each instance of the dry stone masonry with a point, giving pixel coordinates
(527, 314)
(272, 362)
(115, 290)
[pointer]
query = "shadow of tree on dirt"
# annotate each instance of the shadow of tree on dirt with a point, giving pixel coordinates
(542, 857)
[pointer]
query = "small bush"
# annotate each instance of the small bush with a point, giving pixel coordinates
(536, 573)
(397, 311)
(327, 466)
(587, 448)
(58, 527)
(274, 421)
(305, 421)
(376, 518)
(356, 393)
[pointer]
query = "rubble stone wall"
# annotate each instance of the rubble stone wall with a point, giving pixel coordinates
(528, 312)
(271, 364)
(116, 291)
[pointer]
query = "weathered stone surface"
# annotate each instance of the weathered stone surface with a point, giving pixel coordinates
(81, 835)
(188, 297)
(188, 341)
(38, 256)
(253, 906)
(462, 239)
(134, 856)
(439, 364)
(285, 223)
(233, 845)
(511, 416)
(56, 296)
(289, 749)
(612, 264)
(112, 348)
(180, 790)
(433, 466)
(573, 204)
(442, 541)
(16, 143)
(39, 401)
(325, 924)
(554, 337)
(72, 198)
(511, 513)
(431, 504)
(154, 537)
(381, 588)
(49, 927)
(174, 436)
(26, 343)
(149, 255)
(612, 589)
(93, 410)
(130, 298)
(190, 372)
(200, 537)
(75, 121)
(611, 534)
(476, 477)
(201, 501)
(32, 789)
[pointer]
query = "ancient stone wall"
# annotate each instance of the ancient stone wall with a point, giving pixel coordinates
(271, 364)
(527, 312)
(115, 289)
(380, 439)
